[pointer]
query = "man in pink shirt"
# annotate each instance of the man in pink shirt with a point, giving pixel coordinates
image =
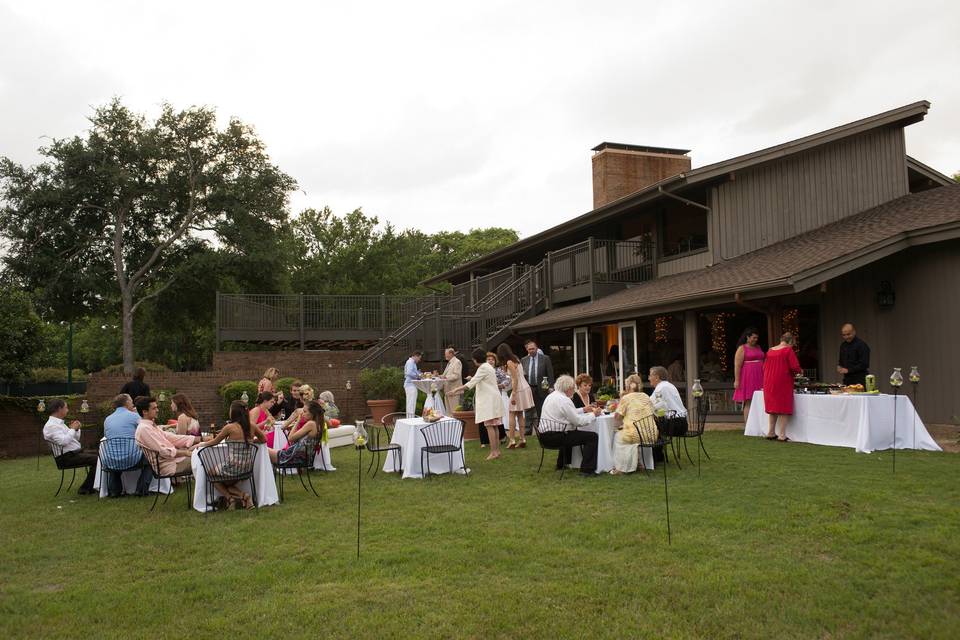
(174, 450)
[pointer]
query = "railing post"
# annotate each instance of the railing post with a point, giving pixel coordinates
(592, 271)
(218, 322)
(548, 281)
(383, 315)
(302, 341)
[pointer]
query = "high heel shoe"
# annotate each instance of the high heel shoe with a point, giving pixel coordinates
(512, 445)
(523, 444)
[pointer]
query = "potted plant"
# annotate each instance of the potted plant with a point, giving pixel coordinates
(464, 413)
(383, 390)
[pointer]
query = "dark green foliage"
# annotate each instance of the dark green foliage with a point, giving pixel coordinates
(385, 383)
(234, 390)
(21, 335)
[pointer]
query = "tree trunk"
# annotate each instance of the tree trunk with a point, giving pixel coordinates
(126, 322)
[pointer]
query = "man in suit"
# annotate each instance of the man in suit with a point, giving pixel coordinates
(536, 366)
(452, 378)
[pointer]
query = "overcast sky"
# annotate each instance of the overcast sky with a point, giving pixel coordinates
(452, 115)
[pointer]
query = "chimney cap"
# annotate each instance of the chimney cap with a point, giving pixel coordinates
(640, 148)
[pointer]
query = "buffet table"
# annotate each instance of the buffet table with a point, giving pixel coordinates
(433, 387)
(861, 421)
(606, 429)
(406, 433)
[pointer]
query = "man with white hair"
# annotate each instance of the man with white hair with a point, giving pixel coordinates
(452, 378)
(558, 409)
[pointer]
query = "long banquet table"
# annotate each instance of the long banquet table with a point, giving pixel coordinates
(861, 421)
(406, 433)
(606, 429)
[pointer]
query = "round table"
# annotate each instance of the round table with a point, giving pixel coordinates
(433, 387)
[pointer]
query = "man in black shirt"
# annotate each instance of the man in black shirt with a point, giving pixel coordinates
(854, 357)
(137, 388)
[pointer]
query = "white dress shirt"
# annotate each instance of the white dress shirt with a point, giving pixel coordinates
(57, 432)
(558, 407)
(667, 397)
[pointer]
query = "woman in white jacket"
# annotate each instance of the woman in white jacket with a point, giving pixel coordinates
(487, 403)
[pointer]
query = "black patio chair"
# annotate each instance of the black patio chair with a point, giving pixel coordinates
(303, 466)
(119, 455)
(65, 465)
(153, 457)
(379, 441)
(698, 425)
(542, 426)
(228, 462)
(443, 436)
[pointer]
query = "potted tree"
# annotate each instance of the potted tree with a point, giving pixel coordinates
(383, 390)
(464, 413)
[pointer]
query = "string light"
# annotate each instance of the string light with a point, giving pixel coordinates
(661, 328)
(791, 323)
(718, 337)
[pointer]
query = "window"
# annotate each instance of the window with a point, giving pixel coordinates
(684, 230)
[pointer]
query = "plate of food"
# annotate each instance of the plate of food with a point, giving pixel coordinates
(432, 415)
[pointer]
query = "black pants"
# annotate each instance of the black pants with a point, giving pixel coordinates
(569, 439)
(87, 458)
(115, 481)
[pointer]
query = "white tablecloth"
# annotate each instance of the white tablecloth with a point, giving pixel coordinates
(606, 429)
(262, 473)
(129, 480)
(321, 457)
(434, 398)
(864, 422)
(406, 433)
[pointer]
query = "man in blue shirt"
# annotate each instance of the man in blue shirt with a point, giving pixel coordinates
(122, 423)
(410, 373)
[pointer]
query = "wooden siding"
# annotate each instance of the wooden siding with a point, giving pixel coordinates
(784, 198)
(670, 266)
(919, 330)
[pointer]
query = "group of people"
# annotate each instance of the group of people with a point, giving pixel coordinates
(773, 372)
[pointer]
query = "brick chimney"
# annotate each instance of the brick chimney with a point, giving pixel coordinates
(622, 169)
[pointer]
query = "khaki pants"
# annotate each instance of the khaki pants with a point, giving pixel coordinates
(452, 400)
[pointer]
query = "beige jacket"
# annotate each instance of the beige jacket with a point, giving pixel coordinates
(451, 375)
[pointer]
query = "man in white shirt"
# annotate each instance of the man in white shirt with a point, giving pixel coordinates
(452, 378)
(558, 408)
(665, 396)
(67, 439)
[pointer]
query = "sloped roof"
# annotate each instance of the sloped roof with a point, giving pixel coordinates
(785, 267)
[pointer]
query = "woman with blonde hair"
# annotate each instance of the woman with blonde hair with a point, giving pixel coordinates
(269, 380)
(188, 423)
(634, 411)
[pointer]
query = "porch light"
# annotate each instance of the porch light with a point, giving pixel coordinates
(886, 296)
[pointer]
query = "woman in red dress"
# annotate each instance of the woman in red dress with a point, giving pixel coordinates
(778, 370)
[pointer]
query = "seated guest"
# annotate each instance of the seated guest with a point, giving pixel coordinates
(558, 407)
(666, 397)
(174, 449)
(260, 414)
(238, 429)
(56, 432)
(137, 387)
(298, 417)
(584, 397)
(291, 401)
(122, 423)
(330, 409)
(296, 450)
(188, 423)
(634, 410)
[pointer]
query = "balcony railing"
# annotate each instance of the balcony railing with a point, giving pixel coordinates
(601, 261)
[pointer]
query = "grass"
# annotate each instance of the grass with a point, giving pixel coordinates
(774, 540)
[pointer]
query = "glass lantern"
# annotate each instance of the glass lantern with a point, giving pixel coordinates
(41, 406)
(360, 435)
(914, 374)
(896, 378)
(84, 406)
(544, 384)
(244, 397)
(697, 388)
(162, 397)
(348, 385)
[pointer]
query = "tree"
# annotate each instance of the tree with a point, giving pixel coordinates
(133, 201)
(956, 176)
(21, 335)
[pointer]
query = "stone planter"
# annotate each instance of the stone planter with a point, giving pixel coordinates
(470, 431)
(380, 408)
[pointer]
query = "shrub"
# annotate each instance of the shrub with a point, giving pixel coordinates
(54, 374)
(233, 390)
(385, 383)
(151, 367)
(466, 404)
(165, 414)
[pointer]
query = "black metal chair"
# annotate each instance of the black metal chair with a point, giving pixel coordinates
(699, 423)
(543, 426)
(228, 462)
(153, 457)
(65, 465)
(302, 464)
(662, 440)
(379, 441)
(443, 436)
(118, 455)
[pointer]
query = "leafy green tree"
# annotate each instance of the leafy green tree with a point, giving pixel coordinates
(956, 176)
(123, 208)
(21, 335)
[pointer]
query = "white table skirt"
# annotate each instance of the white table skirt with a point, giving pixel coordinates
(129, 480)
(262, 472)
(606, 429)
(863, 422)
(321, 457)
(406, 433)
(434, 398)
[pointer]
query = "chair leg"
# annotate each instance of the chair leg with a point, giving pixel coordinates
(542, 450)
(310, 482)
(463, 461)
(666, 499)
(687, 450)
(166, 496)
(700, 440)
(374, 458)
(189, 491)
(302, 483)
(156, 496)
(72, 480)
(62, 472)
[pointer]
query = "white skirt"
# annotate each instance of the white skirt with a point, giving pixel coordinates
(625, 456)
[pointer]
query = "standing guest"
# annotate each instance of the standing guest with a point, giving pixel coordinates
(854, 364)
(122, 423)
(584, 397)
(634, 411)
(611, 365)
(666, 397)
(747, 369)
(269, 380)
(330, 409)
(537, 366)
(778, 371)
(558, 407)
(260, 415)
(238, 429)
(137, 387)
(188, 423)
(504, 384)
(521, 396)
(452, 378)
(410, 373)
(174, 450)
(487, 405)
(56, 432)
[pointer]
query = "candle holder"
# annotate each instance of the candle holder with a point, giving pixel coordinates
(41, 408)
(244, 398)
(896, 381)
(914, 384)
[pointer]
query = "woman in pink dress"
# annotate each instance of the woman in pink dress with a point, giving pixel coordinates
(747, 369)
(778, 371)
(260, 415)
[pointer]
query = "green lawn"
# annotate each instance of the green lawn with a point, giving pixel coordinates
(774, 540)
